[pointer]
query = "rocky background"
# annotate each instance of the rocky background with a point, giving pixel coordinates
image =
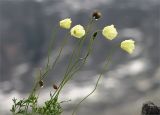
(27, 26)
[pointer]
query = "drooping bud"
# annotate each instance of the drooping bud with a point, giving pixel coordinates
(55, 87)
(41, 84)
(95, 34)
(96, 15)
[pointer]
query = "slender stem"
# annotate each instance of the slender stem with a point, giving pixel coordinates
(84, 60)
(58, 56)
(48, 60)
(69, 68)
(51, 45)
(88, 28)
(47, 69)
(70, 62)
(107, 62)
(70, 74)
(61, 49)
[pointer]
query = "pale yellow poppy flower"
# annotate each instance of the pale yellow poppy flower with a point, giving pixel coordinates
(78, 31)
(66, 23)
(128, 46)
(110, 32)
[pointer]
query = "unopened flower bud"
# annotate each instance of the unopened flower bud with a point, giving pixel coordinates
(96, 15)
(55, 87)
(95, 34)
(41, 84)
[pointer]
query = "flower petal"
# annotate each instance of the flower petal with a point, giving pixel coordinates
(128, 46)
(78, 31)
(109, 32)
(66, 23)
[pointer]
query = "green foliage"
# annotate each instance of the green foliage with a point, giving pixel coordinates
(30, 107)
(22, 106)
(77, 60)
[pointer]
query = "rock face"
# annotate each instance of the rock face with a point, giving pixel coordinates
(150, 108)
(26, 26)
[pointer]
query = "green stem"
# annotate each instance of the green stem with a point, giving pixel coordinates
(107, 62)
(70, 74)
(51, 45)
(70, 61)
(80, 44)
(84, 60)
(47, 69)
(61, 49)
